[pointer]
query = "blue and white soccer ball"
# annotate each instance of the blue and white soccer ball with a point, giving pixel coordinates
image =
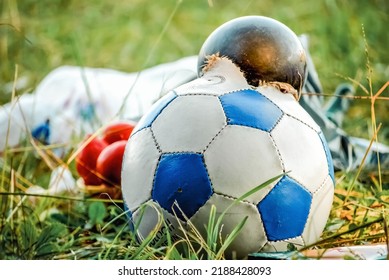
(213, 140)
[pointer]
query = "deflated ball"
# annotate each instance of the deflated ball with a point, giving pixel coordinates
(215, 139)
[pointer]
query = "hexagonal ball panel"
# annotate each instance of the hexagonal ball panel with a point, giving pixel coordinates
(139, 163)
(148, 219)
(250, 108)
(285, 210)
(181, 178)
(240, 159)
(252, 235)
(154, 111)
(320, 210)
(189, 123)
(302, 152)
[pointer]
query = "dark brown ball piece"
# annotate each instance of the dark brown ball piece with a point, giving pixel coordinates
(265, 50)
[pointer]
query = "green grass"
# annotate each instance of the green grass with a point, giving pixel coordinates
(38, 36)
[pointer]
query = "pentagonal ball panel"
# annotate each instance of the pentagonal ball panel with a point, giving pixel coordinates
(250, 108)
(181, 183)
(285, 210)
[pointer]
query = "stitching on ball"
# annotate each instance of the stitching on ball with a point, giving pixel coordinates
(278, 152)
(328, 177)
(301, 121)
(300, 183)
(198, 94)
(236, 90)
(209, 178)
(155, 176)
(289, 239)
(213, 138)
(155, 141)
(270, 100)
(235, 198)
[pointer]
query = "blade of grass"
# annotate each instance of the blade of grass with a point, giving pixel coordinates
(174, 206)
(13, 102)
(231, 237)
(216, 229)
(337, 235)
(144, 245)
(350, 188)
(59, 197)
(244, 196)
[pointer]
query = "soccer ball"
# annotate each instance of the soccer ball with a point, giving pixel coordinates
(214, 139)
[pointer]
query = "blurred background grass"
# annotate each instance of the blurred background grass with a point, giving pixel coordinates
(39, 36)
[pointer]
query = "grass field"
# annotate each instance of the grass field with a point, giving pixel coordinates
(348, 43)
